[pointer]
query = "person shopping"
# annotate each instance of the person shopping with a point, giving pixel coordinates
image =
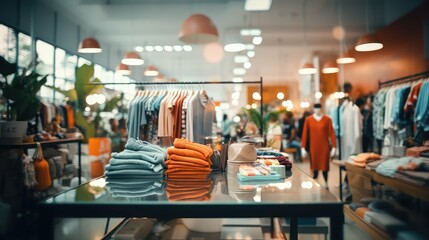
(318, 140)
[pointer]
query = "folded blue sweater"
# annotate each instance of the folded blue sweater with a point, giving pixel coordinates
(135, 163)
(155, 158)
(389, 167)
(138, 145)
(133, 173)
(110, 167)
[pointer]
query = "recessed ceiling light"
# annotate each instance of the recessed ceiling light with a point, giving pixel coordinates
(139, 49)
(251, 53)
(168, 48)
(178, 48)
(239, 71)
(250, 32)
(247, 65)
(187, 48)
(237, 79)
(241, 59)
(149, 48)
(234, 47)
(257, 5)
(159, 48)
(257, 40)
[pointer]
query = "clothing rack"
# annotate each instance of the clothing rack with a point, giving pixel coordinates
(410, 78)
(200, 83)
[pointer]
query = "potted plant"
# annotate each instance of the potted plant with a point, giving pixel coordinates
(20, 91)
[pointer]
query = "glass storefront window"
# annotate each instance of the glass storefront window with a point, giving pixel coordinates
(24, 50)
(45, 54)
(7, 43)
(82, 61)
(65, 64)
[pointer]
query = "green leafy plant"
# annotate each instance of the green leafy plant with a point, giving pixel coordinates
(86, 85)
(22, 90)
(254, 116)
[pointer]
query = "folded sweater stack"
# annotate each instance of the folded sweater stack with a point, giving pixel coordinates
(140, 159)
(362, 159)
(188, 190)
(188, 160)
(135, 188)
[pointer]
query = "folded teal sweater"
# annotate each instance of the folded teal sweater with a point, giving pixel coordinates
(138, 145)
(129, 165)
(133, 173)
(155, 158)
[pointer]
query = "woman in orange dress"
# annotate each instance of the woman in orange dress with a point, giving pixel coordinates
(318, 139)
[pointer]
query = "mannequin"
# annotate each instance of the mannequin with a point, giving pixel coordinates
(318, 138)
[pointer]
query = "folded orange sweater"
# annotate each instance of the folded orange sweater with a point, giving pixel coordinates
(192, 176)
(182, 163)
(185, 152)
(188, 168)
(186, 171)
(184, 143)
(199, 161)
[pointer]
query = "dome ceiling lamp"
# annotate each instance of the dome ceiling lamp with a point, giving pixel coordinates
(123, 69)
(346, 58)
(368, 42)
(151, 71)
(308, 67)
(89, 45)
(133, 59)
(198, 29)
(330, 67)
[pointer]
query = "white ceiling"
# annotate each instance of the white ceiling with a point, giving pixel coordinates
(129, 23)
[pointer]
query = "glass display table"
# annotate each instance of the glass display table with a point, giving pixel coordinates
(221, 196)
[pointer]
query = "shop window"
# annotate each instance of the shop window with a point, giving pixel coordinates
(82, 61)
(45, 56)
(65, 64)
(45, 92)
(7, 43)
(24, 50)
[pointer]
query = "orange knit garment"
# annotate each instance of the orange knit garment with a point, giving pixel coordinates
(181, 163)
(186, 171)
(192, 176)
(185, 152)
(184, 143)
(199, 161)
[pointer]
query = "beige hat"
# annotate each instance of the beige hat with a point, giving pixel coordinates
(241, 152)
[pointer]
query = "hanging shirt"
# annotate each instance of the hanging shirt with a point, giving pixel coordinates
(421, 115)
(412, 98)
(378, 114)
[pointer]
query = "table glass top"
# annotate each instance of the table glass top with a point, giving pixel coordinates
(220, 188)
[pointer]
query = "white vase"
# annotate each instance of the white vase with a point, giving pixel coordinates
(13, 130)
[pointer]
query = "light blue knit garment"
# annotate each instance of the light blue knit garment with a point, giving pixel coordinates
(133, 173)
(131, 164)
(128, 154)
(390, 166)
(138, 145)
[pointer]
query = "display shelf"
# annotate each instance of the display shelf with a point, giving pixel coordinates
(373, 231)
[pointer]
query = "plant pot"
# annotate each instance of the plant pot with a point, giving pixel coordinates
(13, 131)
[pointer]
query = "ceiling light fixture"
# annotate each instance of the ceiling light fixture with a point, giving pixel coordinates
(251, 54)
(239, 71)
(178, 48)
(168, 48)
(250, 46)
(257, 5)
(330, 67)
(198, 29)
(187, 48)
(159, 48)
(368, 42)
(346, 58)
(247, 65)
(149, 48)
(234, 47)
(250, 32)
(307, 68)
(151, 71)
(139, 49)
(89, 45)
(237, 79)
(132, 58)
(257, 40)
(123, 69)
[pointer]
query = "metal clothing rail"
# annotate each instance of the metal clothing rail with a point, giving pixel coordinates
(410, 78)
(201, 83)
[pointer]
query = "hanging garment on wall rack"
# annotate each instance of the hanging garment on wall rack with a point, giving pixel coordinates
(50, 110)
(175, 113)
(400, 107)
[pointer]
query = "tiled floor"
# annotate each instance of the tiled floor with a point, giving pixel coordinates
(95, 228)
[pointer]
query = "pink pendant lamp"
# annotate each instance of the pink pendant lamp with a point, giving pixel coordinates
(89, 45)
(151, 71)
(123, 69)
(368, 43)
(346, 58)
(330, 67)
(307, 68)
(133, 59)
(198, 29)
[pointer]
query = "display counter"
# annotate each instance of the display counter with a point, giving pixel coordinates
(222, 196)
